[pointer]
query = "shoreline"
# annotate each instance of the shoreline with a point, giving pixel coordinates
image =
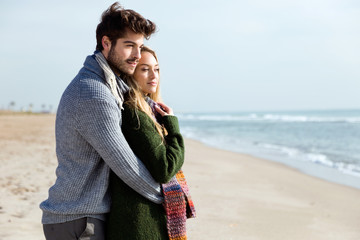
(236, 196)
(313, 169)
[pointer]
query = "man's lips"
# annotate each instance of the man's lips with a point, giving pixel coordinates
(132, 62)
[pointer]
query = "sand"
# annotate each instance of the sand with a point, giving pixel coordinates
(236, 196)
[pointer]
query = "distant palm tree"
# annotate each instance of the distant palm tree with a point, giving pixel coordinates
(31, 107)
(12, 105)
(43, 106)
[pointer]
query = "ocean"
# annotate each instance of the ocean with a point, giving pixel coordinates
(324, 144)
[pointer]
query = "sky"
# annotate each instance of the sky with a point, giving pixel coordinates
(215, 56)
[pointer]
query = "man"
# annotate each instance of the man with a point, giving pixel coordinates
(89, 141)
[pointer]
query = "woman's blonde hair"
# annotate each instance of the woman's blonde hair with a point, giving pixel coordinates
(136, 97)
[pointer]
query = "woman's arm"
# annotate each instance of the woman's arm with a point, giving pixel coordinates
(163, 160)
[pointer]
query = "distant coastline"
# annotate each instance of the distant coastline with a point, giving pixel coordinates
(9, 112)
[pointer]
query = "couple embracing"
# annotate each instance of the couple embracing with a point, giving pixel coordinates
(119, 148)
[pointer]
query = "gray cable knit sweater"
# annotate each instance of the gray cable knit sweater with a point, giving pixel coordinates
(89, 142)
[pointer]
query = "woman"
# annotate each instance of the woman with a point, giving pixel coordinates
(152, 132)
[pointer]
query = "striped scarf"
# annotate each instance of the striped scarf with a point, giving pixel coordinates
(177, 201)
(116, 85)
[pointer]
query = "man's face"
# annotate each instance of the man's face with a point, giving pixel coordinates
(124, 56)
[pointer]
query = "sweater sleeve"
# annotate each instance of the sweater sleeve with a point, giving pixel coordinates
(99, 124)
(163, 160)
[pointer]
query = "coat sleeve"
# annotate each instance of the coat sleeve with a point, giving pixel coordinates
(163, 160)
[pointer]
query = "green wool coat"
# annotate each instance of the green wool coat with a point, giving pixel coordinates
(133, 217)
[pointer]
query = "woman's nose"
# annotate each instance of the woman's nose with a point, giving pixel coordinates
(152, 74)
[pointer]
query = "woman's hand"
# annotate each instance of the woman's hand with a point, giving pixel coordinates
(163, 110)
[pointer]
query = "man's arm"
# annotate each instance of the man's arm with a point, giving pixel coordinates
(99, 123)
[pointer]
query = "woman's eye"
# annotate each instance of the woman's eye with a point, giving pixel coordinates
(157, 69)
(145, 69)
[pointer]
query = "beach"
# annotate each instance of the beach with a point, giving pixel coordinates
(236, 196)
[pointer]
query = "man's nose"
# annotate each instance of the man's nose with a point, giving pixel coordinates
(137, 53)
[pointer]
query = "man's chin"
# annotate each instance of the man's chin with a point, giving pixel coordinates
(128, 71)
(119, 70)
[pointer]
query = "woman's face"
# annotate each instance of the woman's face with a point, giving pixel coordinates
(147, 73)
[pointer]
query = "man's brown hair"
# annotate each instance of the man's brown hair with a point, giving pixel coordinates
(116, 20)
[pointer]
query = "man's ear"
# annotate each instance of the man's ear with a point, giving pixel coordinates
(106, 44)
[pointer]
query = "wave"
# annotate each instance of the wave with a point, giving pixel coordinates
(267, 118)
(317, 158)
